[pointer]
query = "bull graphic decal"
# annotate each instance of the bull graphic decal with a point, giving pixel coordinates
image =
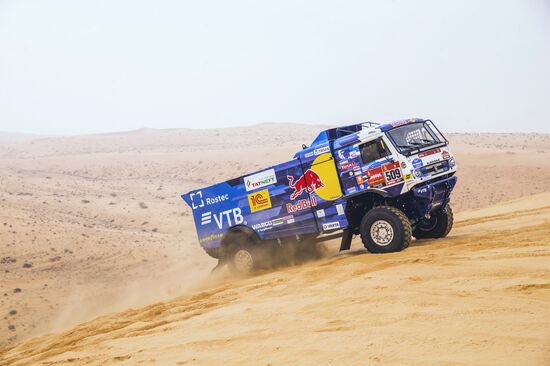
(309, 181)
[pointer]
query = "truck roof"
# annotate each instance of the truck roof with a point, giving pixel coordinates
(332, 134)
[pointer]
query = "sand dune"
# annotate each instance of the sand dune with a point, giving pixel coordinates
(480, 296)
(90, 225)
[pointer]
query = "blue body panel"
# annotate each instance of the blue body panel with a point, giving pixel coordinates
(267, 202)
(433, 195)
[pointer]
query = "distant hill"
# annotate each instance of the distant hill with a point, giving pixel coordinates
(14, 137)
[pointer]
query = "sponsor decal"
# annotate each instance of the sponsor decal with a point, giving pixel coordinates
(198, 201)
(222, 219)
(340, 209)
(320, 213)
(259, 200)
(353, 154)
(375, 177)
(310, 181)
(429, 152)
(263, 226)
(360, 179)
(392, 173)
(408, 176)
(206, 218)
(347, 166)
(308, 154)
(331, 225)
(323, 180)
(351, 190)
(402, 122)
(445, 155)
(217, 199)
(260, 180)
(290, 221)
(321, 150)
(210, 238)
(282, 220)
(301, 205)
(417, 163)
(279, 221)
(341, 154)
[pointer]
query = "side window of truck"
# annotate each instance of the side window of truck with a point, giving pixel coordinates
(373, 150)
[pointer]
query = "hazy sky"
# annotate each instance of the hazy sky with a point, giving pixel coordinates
(69, 67)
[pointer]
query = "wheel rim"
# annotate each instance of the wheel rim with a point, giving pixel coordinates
(381, 232)
(428, 225)
(243, 261)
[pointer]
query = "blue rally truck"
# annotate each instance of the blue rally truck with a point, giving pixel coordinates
(384, 182)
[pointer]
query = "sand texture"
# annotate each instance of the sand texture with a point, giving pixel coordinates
(94, 225)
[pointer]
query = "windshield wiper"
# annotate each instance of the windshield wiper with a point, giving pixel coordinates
(407, 147)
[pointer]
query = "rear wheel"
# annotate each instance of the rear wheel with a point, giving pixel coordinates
(244, 254)
(438, 225)
(385, 229)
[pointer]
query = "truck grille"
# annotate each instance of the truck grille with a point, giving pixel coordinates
(439, 167)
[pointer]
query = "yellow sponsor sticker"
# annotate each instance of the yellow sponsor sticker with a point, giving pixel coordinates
(259, 200)
(408, 176)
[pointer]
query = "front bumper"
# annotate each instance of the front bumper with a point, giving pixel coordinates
(433, 195)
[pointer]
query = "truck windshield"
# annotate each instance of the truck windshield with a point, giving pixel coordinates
(413, 137)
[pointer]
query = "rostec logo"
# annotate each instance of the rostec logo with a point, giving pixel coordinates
(197, 200)
(260, 180)
(309, 181)
(259, 200)
(223, 217)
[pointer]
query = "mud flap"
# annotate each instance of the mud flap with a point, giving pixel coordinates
(347, 235)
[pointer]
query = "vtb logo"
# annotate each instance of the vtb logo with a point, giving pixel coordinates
(221, 218)
(259, 200)
(309, 181)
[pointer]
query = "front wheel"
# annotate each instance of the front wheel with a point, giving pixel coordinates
(438, 225)
(385, 229)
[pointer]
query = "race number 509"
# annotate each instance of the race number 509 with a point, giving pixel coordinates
(393, 174)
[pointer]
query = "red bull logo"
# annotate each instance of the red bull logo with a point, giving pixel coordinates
(309, 181)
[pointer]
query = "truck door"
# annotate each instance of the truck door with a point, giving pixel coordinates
(321, 185)
(379, 168)
(290, 213)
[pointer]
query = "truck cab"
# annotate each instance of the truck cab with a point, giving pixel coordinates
(384, 182)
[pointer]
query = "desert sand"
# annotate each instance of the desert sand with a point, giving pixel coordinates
(91, 225)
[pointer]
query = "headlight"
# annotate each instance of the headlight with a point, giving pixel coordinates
(451, 163)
